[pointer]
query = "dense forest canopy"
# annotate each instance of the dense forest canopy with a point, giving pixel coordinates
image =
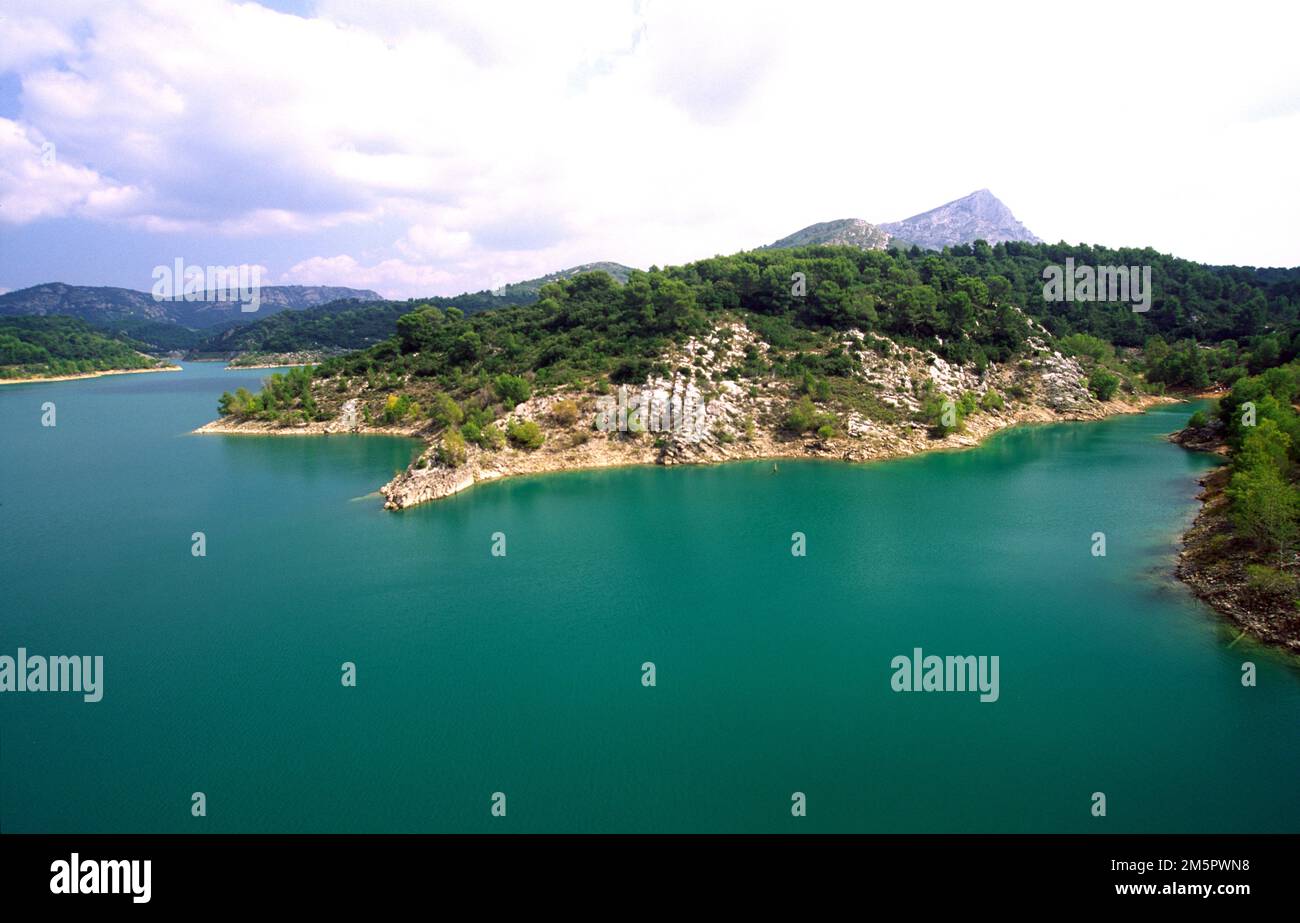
(968, 303)
(344, 325)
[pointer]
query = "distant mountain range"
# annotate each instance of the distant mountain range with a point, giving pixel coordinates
(104, 304)
(978, 216)
(168, 325)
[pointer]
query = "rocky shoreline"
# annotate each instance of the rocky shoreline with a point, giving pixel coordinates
(1213, 560)
(419, 485)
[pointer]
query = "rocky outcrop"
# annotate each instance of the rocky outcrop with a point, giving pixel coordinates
(1207, 438)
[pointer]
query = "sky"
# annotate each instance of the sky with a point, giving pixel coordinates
(427, 148)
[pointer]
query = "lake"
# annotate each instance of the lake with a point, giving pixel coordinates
(522, 674)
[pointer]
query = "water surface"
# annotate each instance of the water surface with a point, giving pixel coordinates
(522, 674)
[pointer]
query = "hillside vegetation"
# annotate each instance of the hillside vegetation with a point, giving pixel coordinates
(970, 305)
(47, 346)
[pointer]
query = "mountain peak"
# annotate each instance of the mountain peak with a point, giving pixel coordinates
(978, 216)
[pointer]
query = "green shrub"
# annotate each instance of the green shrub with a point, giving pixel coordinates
(992, 400)
(445, 412)
(451, 452)
(525, 434)
(804, 417)
(396, 408)
(943, 416)
(1103, 384)
(485, 436)
(1083, 344)
(512, 390)
(565, 412)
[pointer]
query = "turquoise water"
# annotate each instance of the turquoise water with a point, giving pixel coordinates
(481, 674)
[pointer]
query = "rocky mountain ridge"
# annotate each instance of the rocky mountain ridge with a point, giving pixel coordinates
(978, 216)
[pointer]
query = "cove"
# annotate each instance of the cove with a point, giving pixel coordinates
(521, 674)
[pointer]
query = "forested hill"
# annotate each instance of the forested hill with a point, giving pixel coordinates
(526, 291)
(346, 326)
(44, 346)
(332, 327)
(970, 303)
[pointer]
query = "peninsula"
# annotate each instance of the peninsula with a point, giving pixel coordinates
(823, 351)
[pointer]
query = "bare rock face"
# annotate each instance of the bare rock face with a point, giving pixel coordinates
(347, 421)
(978, 216)
(1063, 383)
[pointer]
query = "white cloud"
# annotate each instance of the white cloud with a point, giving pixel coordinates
(518, 138)
(435, 242)
(392, 278)
(35, 182)
(25, 40)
